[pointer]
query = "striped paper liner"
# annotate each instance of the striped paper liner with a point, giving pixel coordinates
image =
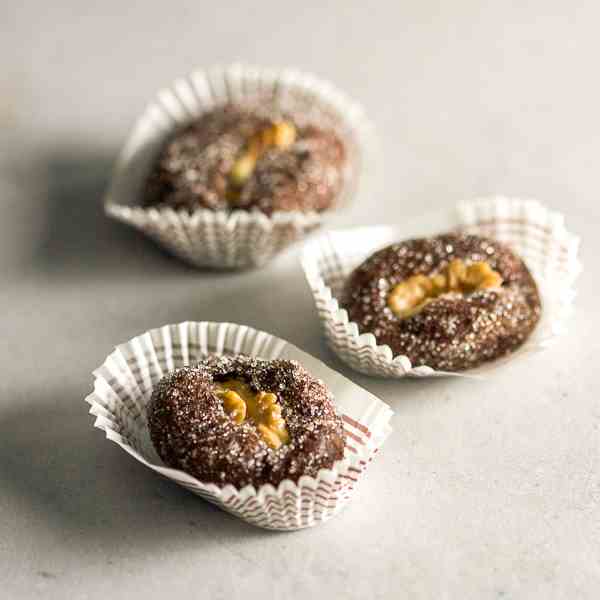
(234, 239)
(123, 386)
(536, 233)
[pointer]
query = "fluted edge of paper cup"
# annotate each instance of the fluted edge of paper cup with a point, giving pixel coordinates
(536, 233)
(123, 385)
(234, 239)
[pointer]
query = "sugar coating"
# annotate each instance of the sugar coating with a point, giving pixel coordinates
(192, 170)
(191, 431)
(454, 331)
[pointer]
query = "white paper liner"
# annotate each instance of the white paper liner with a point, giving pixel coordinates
(123, 386)
(236, 239)
(536, 233)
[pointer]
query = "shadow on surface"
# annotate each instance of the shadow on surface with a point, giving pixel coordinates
(89, 492)
(78, 240)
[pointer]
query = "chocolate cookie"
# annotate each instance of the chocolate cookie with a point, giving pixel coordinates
(241, 420)
(451, 302)
(249, 158)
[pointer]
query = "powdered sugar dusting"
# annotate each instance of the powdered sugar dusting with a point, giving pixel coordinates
(454, 331)
(192, 170)
(191, 431)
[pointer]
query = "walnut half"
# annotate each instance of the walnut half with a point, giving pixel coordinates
(411, 295)
(240, 403)
(281, 134)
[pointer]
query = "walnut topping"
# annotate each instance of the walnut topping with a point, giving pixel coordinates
(411, 295)
(281, 134)
(240, 402)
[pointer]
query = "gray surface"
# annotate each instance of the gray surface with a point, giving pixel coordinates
(485, 490)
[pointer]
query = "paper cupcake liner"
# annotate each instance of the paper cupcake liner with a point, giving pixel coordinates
(123, 387)
(234, 239)
(536, 233)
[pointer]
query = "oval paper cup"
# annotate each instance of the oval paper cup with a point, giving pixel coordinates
(233, 239)
(536, 233)
(123, 387)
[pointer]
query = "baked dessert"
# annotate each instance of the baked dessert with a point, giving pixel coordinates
(451, 302)
(241, 420)
(251, 158)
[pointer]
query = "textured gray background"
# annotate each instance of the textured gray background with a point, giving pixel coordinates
(485, 490)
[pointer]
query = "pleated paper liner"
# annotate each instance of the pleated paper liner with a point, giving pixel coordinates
(536, 233)
(123, 387)
(234, 239)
